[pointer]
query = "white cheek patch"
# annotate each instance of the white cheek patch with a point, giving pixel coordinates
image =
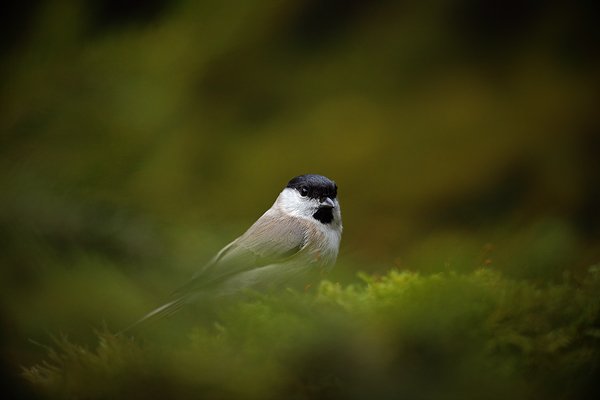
(293, 204)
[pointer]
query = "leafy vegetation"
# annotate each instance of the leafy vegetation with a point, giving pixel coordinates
(403, 335)
(138, 138)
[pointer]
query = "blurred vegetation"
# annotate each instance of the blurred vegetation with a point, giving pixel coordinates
(138, 139)
(401, 336)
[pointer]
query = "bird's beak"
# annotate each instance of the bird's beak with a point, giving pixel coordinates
(327, 203)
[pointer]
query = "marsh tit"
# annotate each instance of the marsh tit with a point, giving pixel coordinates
(292, 242)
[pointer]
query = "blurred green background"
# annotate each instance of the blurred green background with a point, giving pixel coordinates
(138, 139)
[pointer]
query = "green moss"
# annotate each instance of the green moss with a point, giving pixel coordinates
(447, 335)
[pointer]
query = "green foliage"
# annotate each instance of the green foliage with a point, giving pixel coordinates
(137, 140)
(403, 335)
(78, 370)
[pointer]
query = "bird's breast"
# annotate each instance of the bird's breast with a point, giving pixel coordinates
(323, 245)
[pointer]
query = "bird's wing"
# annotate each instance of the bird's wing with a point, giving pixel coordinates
(273, 238)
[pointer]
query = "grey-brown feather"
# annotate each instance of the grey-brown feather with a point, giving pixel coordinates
(272, 239)
(286, 242)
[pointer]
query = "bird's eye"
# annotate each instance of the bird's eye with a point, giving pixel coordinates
(303, 192)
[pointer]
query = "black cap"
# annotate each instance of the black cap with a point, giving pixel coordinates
(314, 186)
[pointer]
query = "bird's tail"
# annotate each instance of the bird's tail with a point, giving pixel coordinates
(163, 311)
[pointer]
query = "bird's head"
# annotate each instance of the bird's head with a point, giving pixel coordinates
(311, 196)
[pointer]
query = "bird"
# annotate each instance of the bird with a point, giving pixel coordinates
(294, 241)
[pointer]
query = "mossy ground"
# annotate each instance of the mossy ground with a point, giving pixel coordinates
(402, 335)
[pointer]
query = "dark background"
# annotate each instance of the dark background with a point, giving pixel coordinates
(138, 138)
